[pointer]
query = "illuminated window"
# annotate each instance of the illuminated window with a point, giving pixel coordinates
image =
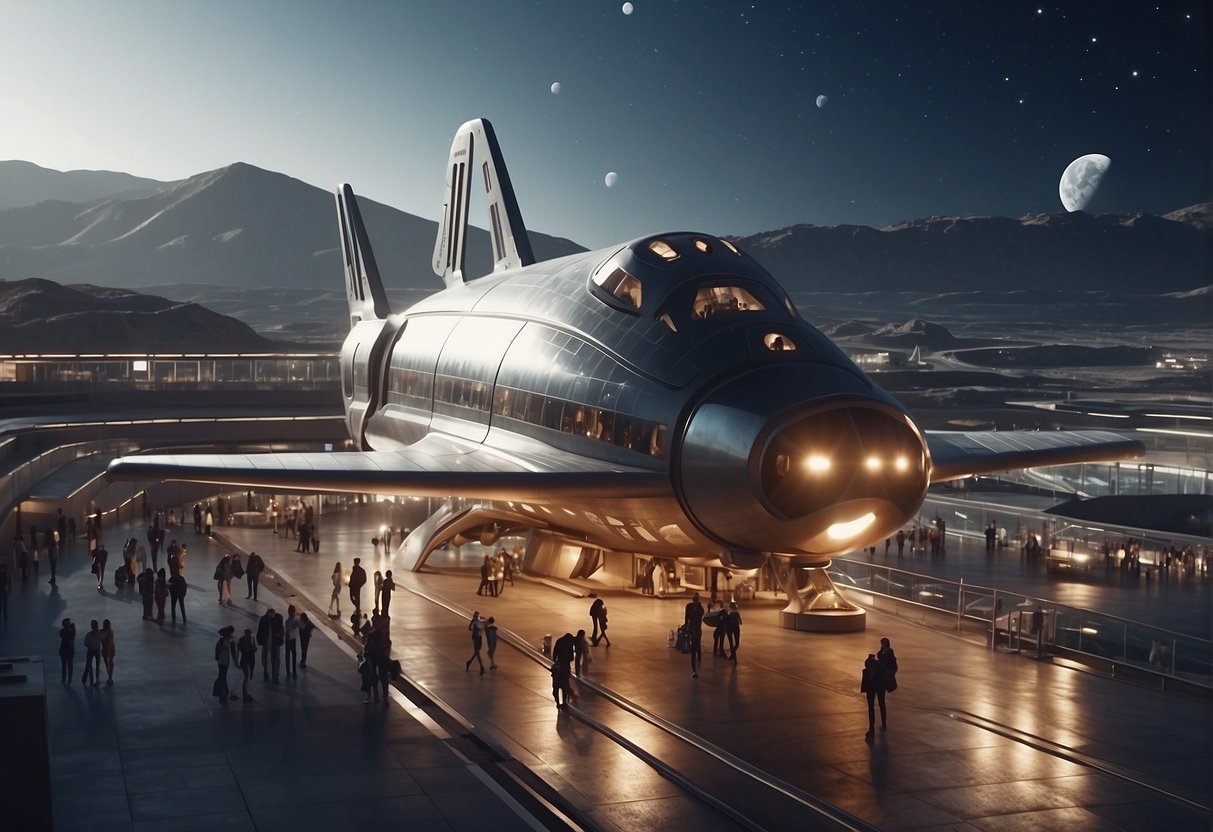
(711, 301)
(778, 343)
(621, 285)
(665, 318)
(663, 250)
(731, 247)
(703, 246)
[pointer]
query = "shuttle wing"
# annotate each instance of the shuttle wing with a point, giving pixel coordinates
(965, 453)
(436, 466)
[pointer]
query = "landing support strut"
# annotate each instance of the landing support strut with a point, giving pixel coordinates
(816, 605)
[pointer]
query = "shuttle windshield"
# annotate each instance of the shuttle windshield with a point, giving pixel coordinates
(621, 285)
(711, 301)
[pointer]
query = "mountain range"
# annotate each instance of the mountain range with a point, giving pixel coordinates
(241, 229)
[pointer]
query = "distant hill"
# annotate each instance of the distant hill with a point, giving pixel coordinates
(1138, 253)
(39, 316)
(24, 183)
(238, 226)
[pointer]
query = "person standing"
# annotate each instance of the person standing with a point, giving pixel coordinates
(225, 654)
(277, 637)
(161, 595)
(21, 556)
(476, 627)
(176, 564)
(253, 573)
(714, 616)
(291, 635)
(50, 542)
(305, 637)
(385, 594)
(147, 591)
(153, 545)
(246, 657)
(693, 621)
(357, 581)
(490, 638)
(108, 650)
(732, 623)
(335, 598)
(378, 653)
(486, 571)
(562, 670)
(598, 615)
(67, 651)
(581, 653)
(378, 584)
(176, 594)
(92, 655)
(209, 521)
(237, 570)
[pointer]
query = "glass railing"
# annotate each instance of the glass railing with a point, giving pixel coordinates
(1027, 623)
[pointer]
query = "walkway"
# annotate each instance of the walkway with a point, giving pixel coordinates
(977, 739)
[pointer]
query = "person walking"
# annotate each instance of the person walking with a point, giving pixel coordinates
(107, 650)
(223, 577)
(385, 593)
(335, 598)
(476, 628)
(714, 616)
(291, 636)
(176, 594)
(305, 637)
(693, 622)
(879, 677)
(486, 571)
(160, 593)
(67, 651)
(490, 638)
(225, 654)
(147, 591)
(208, 521)
(100, 556)
(357, 581)
(92, 655)
(732, 624)
(246, 658)
(598, 615)
(237, 570)
(252, 573)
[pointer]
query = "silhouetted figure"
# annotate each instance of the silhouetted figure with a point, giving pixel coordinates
(67, 651)
(476, 628)
(598, 616)
(693, 621)
(176, 594)
(357, 581)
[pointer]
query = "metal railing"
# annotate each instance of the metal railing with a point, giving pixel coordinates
(1020, 622)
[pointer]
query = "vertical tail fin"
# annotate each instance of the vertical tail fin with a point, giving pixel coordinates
(363, 286)
(511, 245)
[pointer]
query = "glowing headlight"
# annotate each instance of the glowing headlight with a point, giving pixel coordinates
(902, 464)
(818, 463)
(872, 463)
(841, 531)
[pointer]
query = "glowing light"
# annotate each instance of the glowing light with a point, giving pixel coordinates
(703, 246)
(663, 250)
(730, 247)
(872, 463)
(818, 464)
(1089, 631)
(902, 464)
(842, 531)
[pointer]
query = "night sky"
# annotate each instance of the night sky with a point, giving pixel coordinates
(707, 112)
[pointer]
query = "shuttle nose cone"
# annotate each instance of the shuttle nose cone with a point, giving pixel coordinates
(809, 470)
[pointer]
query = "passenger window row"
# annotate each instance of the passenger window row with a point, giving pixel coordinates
(620, 429)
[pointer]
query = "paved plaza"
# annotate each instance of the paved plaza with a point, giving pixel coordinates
(977, 739)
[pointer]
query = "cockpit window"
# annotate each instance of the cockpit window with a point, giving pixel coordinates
(722, 300)
(621, 285)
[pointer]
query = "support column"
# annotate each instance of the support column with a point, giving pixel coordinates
(816, 605)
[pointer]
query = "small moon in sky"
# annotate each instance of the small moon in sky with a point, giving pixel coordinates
(822, 101)
(628, 8)
(556, 88)
(611, 178)
(1081, 180)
